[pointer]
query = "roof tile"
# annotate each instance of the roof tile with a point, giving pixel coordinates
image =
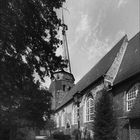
(131, 61)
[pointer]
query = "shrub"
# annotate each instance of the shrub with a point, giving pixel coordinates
(104, 125)
(61, 136)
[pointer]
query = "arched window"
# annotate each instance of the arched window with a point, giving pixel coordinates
(89, 109)
(131, 96)
(74, 115)
(63, 119)
(57, 120)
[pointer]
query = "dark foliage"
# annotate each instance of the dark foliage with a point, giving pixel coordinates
(61, 136)
(104, 126)
(29, 28)
(50, 125)
(28, 41)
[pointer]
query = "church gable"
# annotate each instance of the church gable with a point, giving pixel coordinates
(131, 61)
(113, 70)
(98, 71)
(116, 65)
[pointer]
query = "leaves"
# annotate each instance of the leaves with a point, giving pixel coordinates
(104, 125)
(29, 29)
(28, 41)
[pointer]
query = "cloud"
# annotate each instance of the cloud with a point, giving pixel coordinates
(82, 30)
(119, 35)
(83, 26)
(97, 48)
(89, 39)
(86, 30)
(93, 46)
(121, 3)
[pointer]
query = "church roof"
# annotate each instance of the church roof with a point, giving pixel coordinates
(95, 73)
(130, 66)
(131, 61)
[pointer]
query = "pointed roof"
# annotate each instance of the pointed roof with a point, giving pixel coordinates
(65, 45)
(131, 61)
(130, 66)
(95, 73)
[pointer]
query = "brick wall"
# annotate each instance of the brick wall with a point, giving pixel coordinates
(119, 98)
(127, 126)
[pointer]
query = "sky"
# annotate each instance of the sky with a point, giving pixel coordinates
(94, 27)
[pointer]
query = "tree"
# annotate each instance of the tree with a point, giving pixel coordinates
(29, 32)
(50, 125)
(104, 125)
(28, 41)
(28, 111)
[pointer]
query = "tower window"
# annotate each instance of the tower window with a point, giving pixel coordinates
(64, 87)
(69, 88)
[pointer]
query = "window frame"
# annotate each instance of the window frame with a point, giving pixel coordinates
(57, 121)
(63, 119)
(88, 107)
(74, 115)
(64, 87)
(131, 96)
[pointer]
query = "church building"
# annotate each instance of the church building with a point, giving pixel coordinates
(119, 72)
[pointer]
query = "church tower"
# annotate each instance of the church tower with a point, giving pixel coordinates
(63, 80)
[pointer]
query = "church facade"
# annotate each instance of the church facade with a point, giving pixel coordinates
(119, 72)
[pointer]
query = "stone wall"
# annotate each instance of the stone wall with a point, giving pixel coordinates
(127, 126)
(119, 99)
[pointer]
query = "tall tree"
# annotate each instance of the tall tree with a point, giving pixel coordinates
(29, 31)
(104, 125)
(28, 42)
(50, 125)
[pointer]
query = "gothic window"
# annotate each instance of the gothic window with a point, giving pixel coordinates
(74, 116)
(89, 109)
(57, 120)
(63, 119)
(131, 96)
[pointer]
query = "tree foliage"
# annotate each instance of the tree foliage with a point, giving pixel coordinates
(104, 125)
(28, 42)
(29, 30)
(50, 125)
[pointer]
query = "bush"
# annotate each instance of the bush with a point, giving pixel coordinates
(67, 137)
(61, 136)
(104, 125)
(76, 133)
